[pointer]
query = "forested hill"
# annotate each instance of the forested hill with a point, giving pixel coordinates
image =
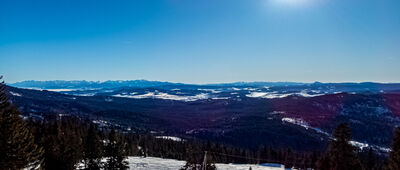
(262, 116)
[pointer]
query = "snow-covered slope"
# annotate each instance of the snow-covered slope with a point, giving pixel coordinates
(153, 163)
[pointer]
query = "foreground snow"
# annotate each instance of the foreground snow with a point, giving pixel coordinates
(153, 163)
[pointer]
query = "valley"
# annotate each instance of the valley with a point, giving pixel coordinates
(248, 115)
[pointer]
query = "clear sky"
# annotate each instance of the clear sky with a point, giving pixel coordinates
(200, 41)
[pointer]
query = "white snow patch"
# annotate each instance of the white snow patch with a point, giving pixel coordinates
(85, 94)
(299, 122)
(304, 124)
(220, 98)
(276, 112)
(305, 94)
(166, 96)
(32, 88)
(267, 95)
(210, 90)
(173, 138)
(359, 144)
(23, 117)
(31, 166)
(15, 94)
(257, 94)
(363, 146)
(272, 95)
(250, 89)
(383, 149)
(60, 90)
(103, 123)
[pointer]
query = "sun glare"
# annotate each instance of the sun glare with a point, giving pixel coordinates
(292, 3)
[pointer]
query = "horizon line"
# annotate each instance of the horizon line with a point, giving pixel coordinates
(173, 82)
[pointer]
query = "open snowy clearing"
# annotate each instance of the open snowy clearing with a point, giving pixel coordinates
(153, 163)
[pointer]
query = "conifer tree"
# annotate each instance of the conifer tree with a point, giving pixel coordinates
(195, 161)
(322, 163)
(17, 146)
(394, 157)
(115, 151)
(92, 149)
(63, 146)
(370, 160)
(341, 154)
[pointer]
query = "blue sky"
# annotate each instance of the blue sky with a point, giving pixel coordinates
(201, 41)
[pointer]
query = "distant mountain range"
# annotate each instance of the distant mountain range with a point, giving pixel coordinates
(82, 84)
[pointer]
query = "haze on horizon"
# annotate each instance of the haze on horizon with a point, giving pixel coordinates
(207, 41)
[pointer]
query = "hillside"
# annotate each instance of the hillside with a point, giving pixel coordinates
(272, 116)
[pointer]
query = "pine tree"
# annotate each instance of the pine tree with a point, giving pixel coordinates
(115, 151)
(394, 157)
(341, 155)
(370, 160)
(63, 144)
(93, 149)
(194, 161)
(17, 146)
(322, 163)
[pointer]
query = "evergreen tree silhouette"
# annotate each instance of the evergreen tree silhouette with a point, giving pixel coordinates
(194, 161)
(93, 149)
(115, 151)
(17, 146)
(394, 157)
(370, 163)
(341, 154)
(63, 145)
